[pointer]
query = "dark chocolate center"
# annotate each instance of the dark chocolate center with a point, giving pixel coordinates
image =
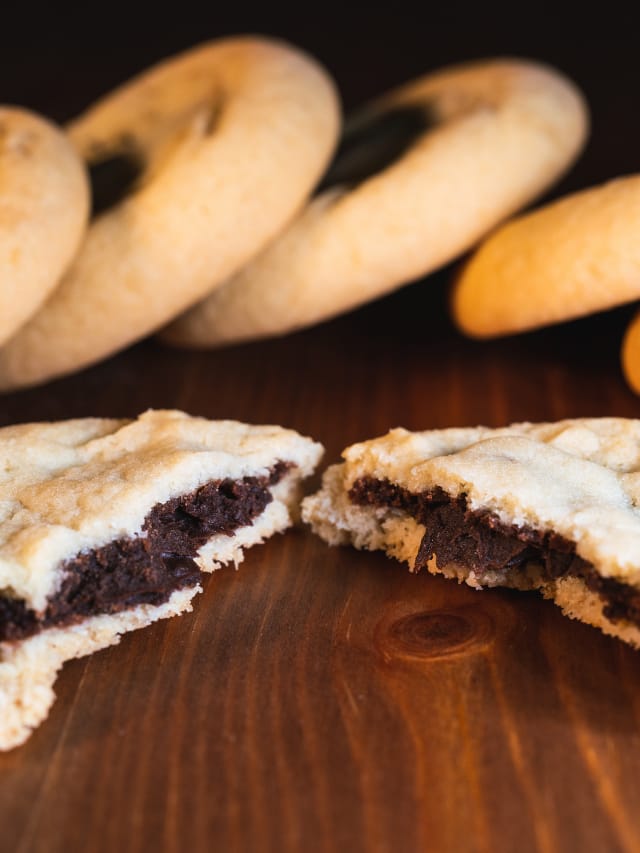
(370, 146)
(481, 542)
(113, 177)
(146, 569)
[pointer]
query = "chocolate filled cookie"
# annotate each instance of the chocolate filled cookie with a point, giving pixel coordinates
(108, 525)
(552, 507)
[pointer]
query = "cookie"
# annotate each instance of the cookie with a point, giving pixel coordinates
(44, 207)
(573, 257)
(553, 507)
(108, 525)
(220, 146)
(422, 175)
(630, 354)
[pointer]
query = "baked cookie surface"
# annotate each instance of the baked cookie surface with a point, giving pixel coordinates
(220, 145)
(630, 354)
(44, 207)
(574, 257)
(548, 506)
(422, 174)
(107, 525)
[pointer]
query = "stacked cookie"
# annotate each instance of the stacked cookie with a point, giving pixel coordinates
(203, 173)
(422, 175)
(221, 146)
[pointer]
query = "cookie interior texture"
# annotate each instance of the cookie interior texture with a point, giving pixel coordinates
(74, 487)
(549, 507)
(107, 526)
(491, 552)
(144, 569)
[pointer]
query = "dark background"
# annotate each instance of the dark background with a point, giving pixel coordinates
(58, 58)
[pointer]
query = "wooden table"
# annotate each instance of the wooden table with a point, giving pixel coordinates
(323, 699)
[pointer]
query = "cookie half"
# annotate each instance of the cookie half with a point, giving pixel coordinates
(574, 257)
(44, 207)
(217, 148)
(421, 176)
(552, 507)
(108, 525)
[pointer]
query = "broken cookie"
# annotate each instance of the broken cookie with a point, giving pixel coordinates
(107, 526)
(552, 507)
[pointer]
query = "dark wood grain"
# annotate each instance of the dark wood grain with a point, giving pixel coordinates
(322, 699)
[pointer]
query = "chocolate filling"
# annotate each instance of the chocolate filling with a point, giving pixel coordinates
(480, 541)
(145, 569)
(370, 146)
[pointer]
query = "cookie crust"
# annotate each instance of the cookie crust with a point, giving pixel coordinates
(44, 209)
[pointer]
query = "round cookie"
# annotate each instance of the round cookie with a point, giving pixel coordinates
(422, 175)
(224, 143)
(44, 206)
(573, 257)
(630, 355)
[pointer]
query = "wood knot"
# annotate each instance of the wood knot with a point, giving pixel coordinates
(436, 633)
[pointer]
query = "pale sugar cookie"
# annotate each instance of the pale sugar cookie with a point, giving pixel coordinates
(44, 206)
